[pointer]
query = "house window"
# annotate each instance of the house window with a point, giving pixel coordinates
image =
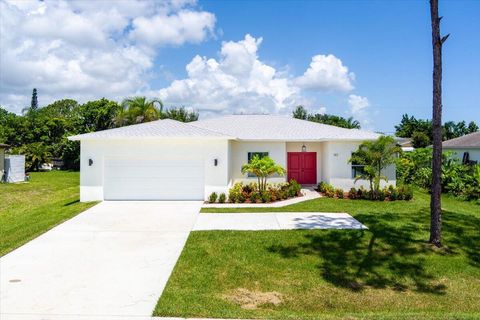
(357, 169)
(253, 154)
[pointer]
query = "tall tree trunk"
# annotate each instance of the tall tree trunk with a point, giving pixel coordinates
(435, 200)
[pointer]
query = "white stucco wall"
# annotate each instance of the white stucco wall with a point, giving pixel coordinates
(337, 171)
(474, 153)
(91, 177)
(240, 149)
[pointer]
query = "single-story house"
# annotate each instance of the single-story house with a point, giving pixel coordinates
(466, 148)
(171, 160)
(3, 147)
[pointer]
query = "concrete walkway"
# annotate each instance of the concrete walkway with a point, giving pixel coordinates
(276, 221)
(308, 194)
(111, 261)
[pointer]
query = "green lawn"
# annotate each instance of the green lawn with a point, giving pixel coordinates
(29, 209)
(387, 272)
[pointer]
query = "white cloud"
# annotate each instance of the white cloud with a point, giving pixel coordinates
(237, 82)
(358, 106)
(326, 72)
(88, 49)
(184, 26)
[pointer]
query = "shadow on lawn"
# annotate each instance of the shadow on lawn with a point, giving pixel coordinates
(390, 254)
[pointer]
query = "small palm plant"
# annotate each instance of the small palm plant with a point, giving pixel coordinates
(375, 156)
(263, 168)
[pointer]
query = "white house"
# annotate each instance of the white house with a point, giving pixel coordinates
(171, 160)
(466, 148)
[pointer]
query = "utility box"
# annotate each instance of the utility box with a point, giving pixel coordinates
(14, 168)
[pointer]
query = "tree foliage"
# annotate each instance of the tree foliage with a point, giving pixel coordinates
(376, 156)
(262, 168)
(409, 126)
(41, 133)
(301, 113)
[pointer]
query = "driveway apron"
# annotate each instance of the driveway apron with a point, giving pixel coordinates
(111, 260)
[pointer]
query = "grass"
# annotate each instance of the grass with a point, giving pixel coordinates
(386, 272)
(32, 208)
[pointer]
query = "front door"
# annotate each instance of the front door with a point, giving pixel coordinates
(302, 166)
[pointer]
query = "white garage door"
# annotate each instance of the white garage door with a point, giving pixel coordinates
(153, 179)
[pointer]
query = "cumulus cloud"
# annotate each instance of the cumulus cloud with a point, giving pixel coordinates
(89, 49)
(326, 72)
(357, 108)
(238, 81)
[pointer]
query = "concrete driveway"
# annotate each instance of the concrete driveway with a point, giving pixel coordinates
(110, 261)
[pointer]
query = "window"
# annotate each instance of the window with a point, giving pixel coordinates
(253, 154)
(357, 169)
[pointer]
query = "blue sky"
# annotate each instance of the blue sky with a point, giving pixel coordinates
(385, 44)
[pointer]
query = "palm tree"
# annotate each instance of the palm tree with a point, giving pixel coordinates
(375, 156)
(436, 189)
(263, 168)
(142, 109)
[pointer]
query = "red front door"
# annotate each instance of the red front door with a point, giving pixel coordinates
(302, 166)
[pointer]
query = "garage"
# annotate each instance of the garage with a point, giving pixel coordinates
(153, 179)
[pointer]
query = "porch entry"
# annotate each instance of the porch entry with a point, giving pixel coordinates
(302, 166)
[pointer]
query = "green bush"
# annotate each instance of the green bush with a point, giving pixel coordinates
(213, 197)
(266, 197)
(322, 186)
(352, 193)
(235, 193)
(222, 198)
(255, 197)
(294, 188)
(339, 193)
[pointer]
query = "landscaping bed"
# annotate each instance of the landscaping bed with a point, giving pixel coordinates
(251, 193)
(388, 193)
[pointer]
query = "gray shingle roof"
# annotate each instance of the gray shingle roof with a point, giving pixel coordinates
(3, 145)
(156, 129)
(283, 128)
(471, 140)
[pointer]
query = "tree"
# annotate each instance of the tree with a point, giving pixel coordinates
(301, 113)
(376, 156)
(180, 114)
(436, 190)
(97, 115)
(141, 109)
(472, 127)
(409, 125)
(263, 168)
(34, 103)
(420, 139)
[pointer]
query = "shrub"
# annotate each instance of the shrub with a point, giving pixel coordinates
(322, 186)
(339, 193)
(213, 197)
(393, 193)
(235, 193)
(255, 197)
(265, 196)
(222, 198)
(352, 193)
(405, 192)
(294, 188)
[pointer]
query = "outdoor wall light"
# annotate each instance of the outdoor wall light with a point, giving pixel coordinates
(304, 148)
(90, 162)
(215, 162)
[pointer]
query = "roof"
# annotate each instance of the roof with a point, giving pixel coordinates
(471, 140)
(241, 127)
(3, 145)
(155, 129)
(282, 128)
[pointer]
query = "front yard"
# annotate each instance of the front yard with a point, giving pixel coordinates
(386, 272)
(29, 209)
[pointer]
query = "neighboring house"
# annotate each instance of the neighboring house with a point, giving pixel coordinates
(466, 148)
(3, 147)
(171, 160)
(405, 144)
